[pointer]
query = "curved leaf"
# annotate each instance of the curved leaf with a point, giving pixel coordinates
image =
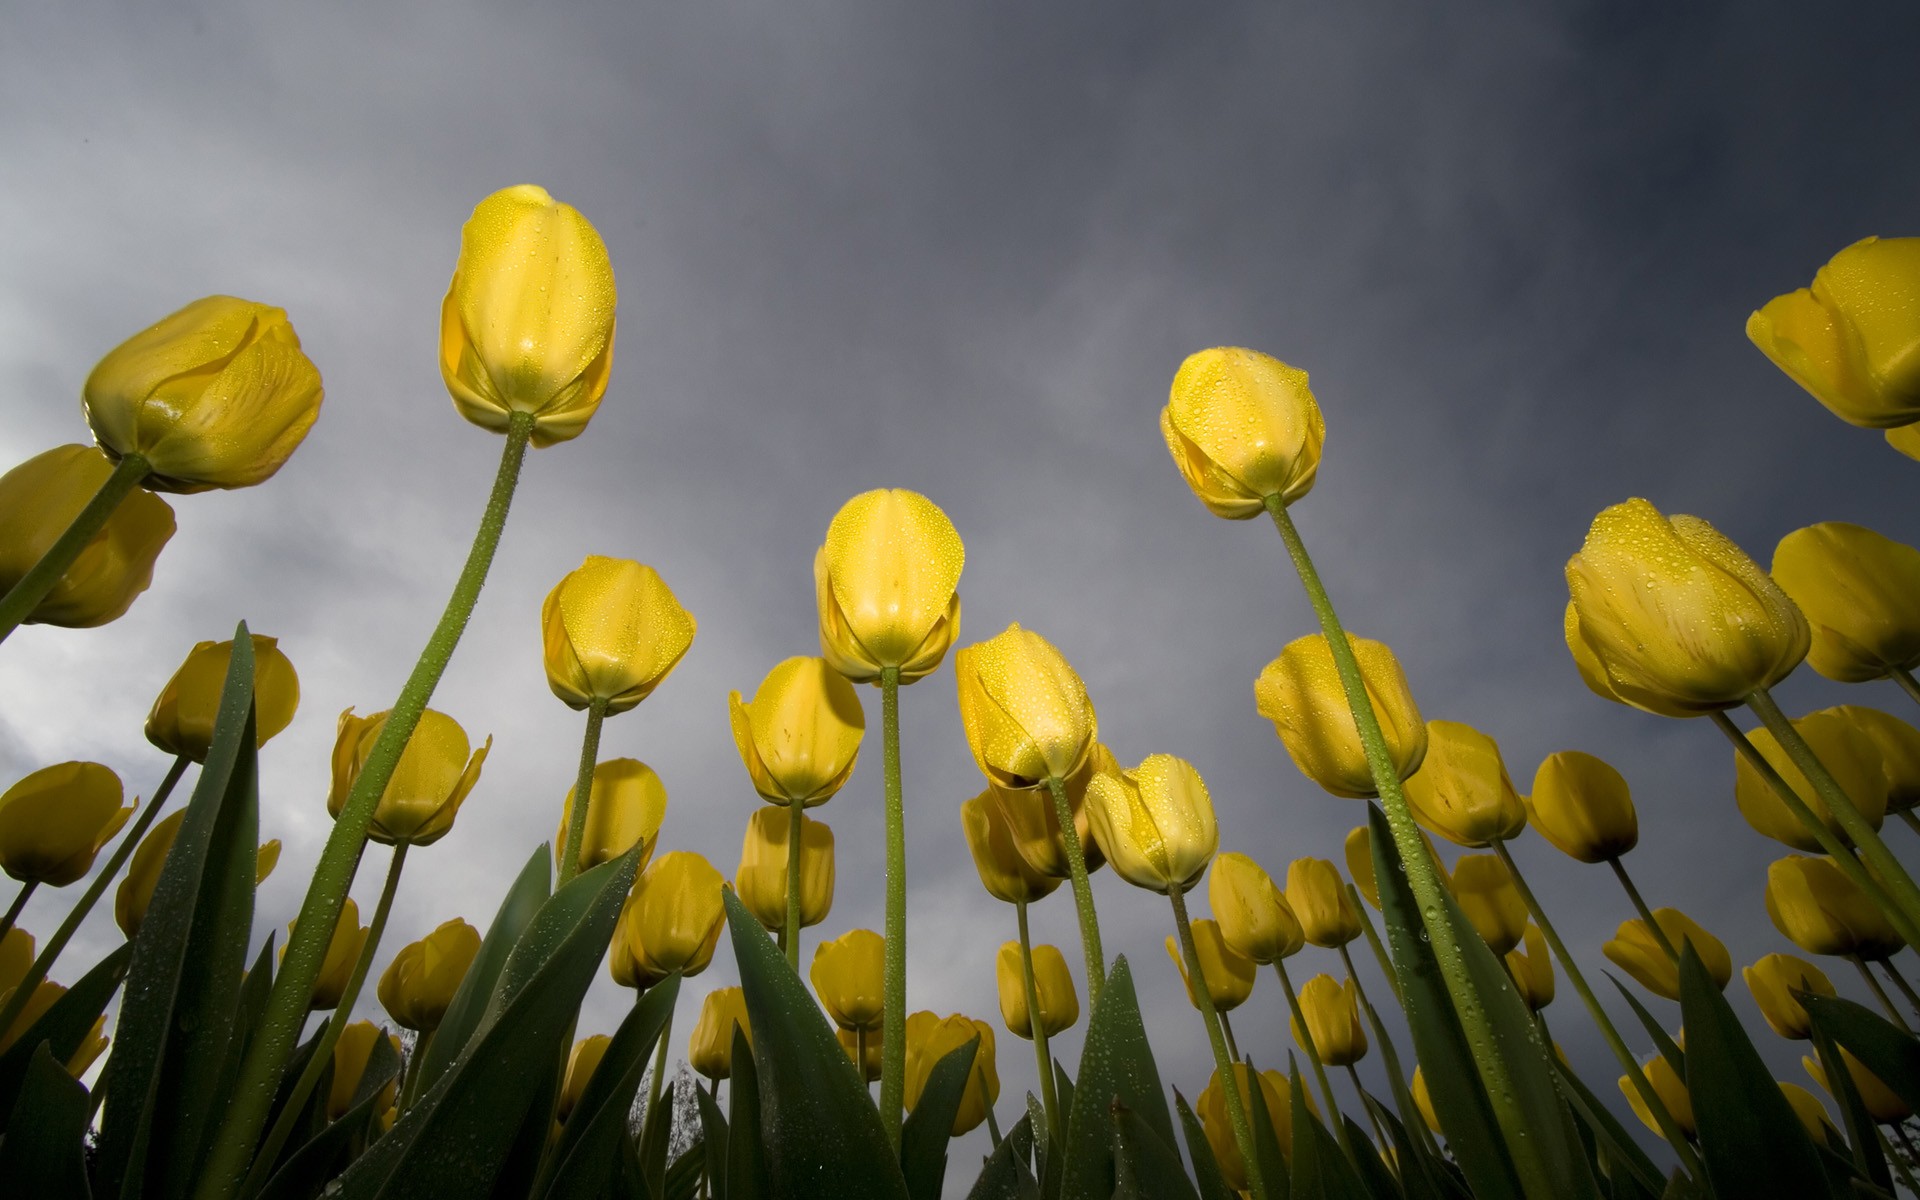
(65, 1025)
(1145, 1168)
(44, 1154)
(1212, 1185)
(746, 1173)
(929, 1127)
(1116, 1064)
(583, 1162)
(305, 1170)
(1888, 1052)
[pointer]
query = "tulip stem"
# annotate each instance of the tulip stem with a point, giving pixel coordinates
(1379, 949)
(410, 1091)
(1082, 891)
(33, 587)
(659, 1068)
(893, 1043)
(582, 793)
(1304, 1036)
(266, 1057)
(1879, 993)
(1913, 822)
(1049, 1094)
(1360, 1090)
(1640, 906)
(1886, 964)
(1389, 1055)
(1222, 1061)
(790, 936)
(19, 903)
(51, 951)
(1907, 683)
(1387, 1052)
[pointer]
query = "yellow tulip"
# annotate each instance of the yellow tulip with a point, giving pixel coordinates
(1318, 898)
(611, 631)
(419, 983)
(55, 820)
(426, 789)
(1634, 950)
(1025, 711)
(1052, 983)
(582, 1062)
(1883, 1104)
(218, 395)
(1531, 969)
(800, 735)
(527, 325)
(1847, 751)
(849, 974)
(1582, 806)
(1155, 823)
(1859, 592)
(349, 937)
(16, 958)
(350, 1057)
(931, 1038)
(710, 1050)
(866, 1057)
(1905, 439)
(885, 580)
(1668, 615)
(1667, 1085)
(1034, 823)
(1276, 1091)
(621, 963)
(40, 498)
(761, 881)
(91, 1047)
(1300, 693)
(626, 806)
(1899, 746)
(265, 859)
(1242, 426)
(1228, 975)
(1820, 910)
(1463, 791)
(1773, 980)
(1254, 918)
(135, 893)
(1812, 1113)
(1853, 338)
(181, 720)
(45, 995)
(1423, 1100)
(1359, 853)
(1332, 1010)
(1484, 889)
(1003, 872)
(674, 917)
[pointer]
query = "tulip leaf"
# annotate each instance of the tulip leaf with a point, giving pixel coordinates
(582, 1163)
(929, 1127)
(1320, 1167)
(713, 1126)
(1662, 1040)
(1420, 1179)
(65, 1025)
(1206, 1168)
(1369, 1171)
(1145, 1167)
(1891, 1054)
(683, 1177)
(250, 1009)
(1005, 1175)
(746, 1170)
(1608, 1133)
(654, 1135)
(1861, 1133)
(303, 1173)
(1116, 1064)
(44, 1154)
(1266, 1141)
(817, 1122)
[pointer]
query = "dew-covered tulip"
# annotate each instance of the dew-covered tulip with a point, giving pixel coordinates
(1817, 908)
(1024, 709)
(1860, 592)
(849, 975)
(1003, 872)
(1276, 1092)
(218, 395)
(1668, 615)
(1636, 951)
(610, 631)
(1849, 754)
(1773, 980)
(343, 951)
(55, 820)
(427, 787)
(864, 1054)
(1229, 975)
(761, 881)
(181, 719)
(582, 1061)
(1582, 806)
(1034, 822)
(1899, 746)
(135, 892)
(1883, 1104)
(419, 983)
(627, 805)
(931, 1038)
(1242, 426)
(1669, 1087)
(1052, 983)
(1812, 1113)
(1155, 823)
(38, 501)
(674, 917)
(800, 734)
(1254, 917)
(710, 1049)
(885, 580)
(527, 325)
(350, 1057)
(1531, 969)
(1463, 792)
(1300, 693)
(1852, 339)
(1319, 902)
(1332, 1010)
(1485, 891)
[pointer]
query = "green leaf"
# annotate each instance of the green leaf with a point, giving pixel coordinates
(1620, 1145)
(1266, 1141)
(1369, 1172)
(1419, 1178)
(1212, 1185)
(65, 1025)
(582, 1164)
(1662, 1040)
(746, 1173)
(683, 1177)
(1145, 1168)
(929, 1127)
(1892, 1054)
(44, 1154)
(714, 1125)
(1861, 1131)
(654, 1135)
(305, 1171)
(1116, 1064)
(1005, 1175)
(1320, 1168)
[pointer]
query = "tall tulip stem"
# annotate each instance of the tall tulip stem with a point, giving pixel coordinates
(1886, 964)
(659, 1068)
(1913, 822)
(267, 1053)
(790, 937)
(582, 793)
(1389, 1054)
(893, 1041)
(26, 594)
(1049, 1093)
(1640, 906)
(410, 1087)
(1879, 993)
(1312, 1051)
(1222, 1060)
(19, 904)
(1082, 890)
(1360, 1090)
(1380, 956)
(1907, 683)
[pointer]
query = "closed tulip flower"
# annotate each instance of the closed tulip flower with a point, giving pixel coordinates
(1423, 1100)
(931, 1038)
(849, 975)
(419, 983)
(1853, 338)
(1254, 917)
(1820, 910)
(182, 717)
(218, 395)
(1300, 693)
(1860, 592)
(1484, 889)
(863, 1053)
(1276, 1091)
(626, 808)
(45, 995)
(1463, 791)
(1025, 711)
(54, 821)
(1847, 751)
(611, 631)
(1155, 823)
(1667, 1085)
(582, 1062)
(622, 964)
(1899, 747)
(1332, 1009)
(1582, 807)
(1359, 854)
(1059, 1005)
(761, 880)
(1905, 439)
(885, 580)
(1883, 1104)
(426, 789)
(1242, 427)
(800, 735)
(1319, 901)
(710, 1050)
(1531, 969)
(1635, 951)
(675, 914)
(91, 1047)
(1003, 872)
(40, 498)
(350, 1057)
(1773, 981)
(135, 893)
(1812, 1113)
(16, 958)
(527, 325)
(1228, 975)
(349, 937)
(1035, 825)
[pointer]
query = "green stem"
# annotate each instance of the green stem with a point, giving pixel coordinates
(1913, 822)
(893, 1042)
(1389, 1054)
(13, 911)
(1380, 956)
(659, 1067)
(1312, 1051)
(27, 593)
(1226, 1031)
(1222, 1061)
(1360, 990)
(266, 1057)
(790, 936)
(1907, 683)
(411, 1090)
(1360, 1091)
(1879, 993)
(1082, 891)
(1640, 906)
(993, 1127)
(582, 793)
(1899, 981)
(1049, 1093)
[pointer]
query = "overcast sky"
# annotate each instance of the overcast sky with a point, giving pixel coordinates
(962, 249)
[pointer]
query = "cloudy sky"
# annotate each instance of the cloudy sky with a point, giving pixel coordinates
(962, 249)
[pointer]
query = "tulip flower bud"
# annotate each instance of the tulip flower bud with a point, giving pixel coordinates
(761, 881)
(625, 808)
(45, 995)
(1052, 983)
(1583, 807)
(350, 1057)
(710, 1050)
(674, 917)
(91, 1047)
(885, 580)
(1003, 872)
(622, 964)
(1773, 981)
(1025, 711)
(1861, 596)
(135, 892)
(1155, 823)
(1423, 1100)
(1667, 1085)
(1300, 693)
(1318, 899)
(1463, 792)
(582, 1062)
(182, 717)
(849, 974)
(1905, 439)
(1332, 1010)
(1853, 338)
(16, 958)
(1635, 951)
(1531, 969)
(1820, 910)
(427, 787)
(930, 1039)
(527, 325)
(1276, 1091)
(40, 498)
(1484, 889)
(349, 937)
(611, 630)
(1242, 427)
(800, 736)
(218, 395)
(1812, 1113)
(1253, 916)
(865, 1056)
(1034, 823)
(55, 820)
(1359, 852)
(1228, 975)
(1847, 751)
(1899, 746)
(419, 983)
(1883, 1104)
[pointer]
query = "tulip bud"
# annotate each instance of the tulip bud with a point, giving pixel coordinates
(1034, 823)
(930, 1039)
(55, 820)
(1583, 807)
(864, 1055)
(1242, 427)
(710, 1050)
(1820, 910)
(182, 717)
(1858, 590)
(885, 580)
(1155, 823)
(1423, 1100)
(38, 501)
(849, 974)
(1905, 439)
(1883, 1104)
(16, 958)
(45, 995)
(1025, 711)
(1300, 693)
(265, 859)
(800, 735)
(350, 1057)
(1052, 983)
(1318, 899)
(674, 917)
(1254, 918)
(1359, 852)
(1276, 1091)
(611, 630)
(218, 395)
(1899, 747)
(1853, 338)
(1463, 792)
(426, 789)
(1332, 1010)
(349, 937)
(1635, 951)
(625, 808)
(1812, 1113)
(1773, 981)
(761, 881)
(135, 892)
(622, 965)
(1484, 889)
(419, 983)
(1228, 975)
(1531, 969)
(527, 325)
(1850, 755)
(1671, 1089)
(1003, 872)
(91, 1047)
(582, 1062)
